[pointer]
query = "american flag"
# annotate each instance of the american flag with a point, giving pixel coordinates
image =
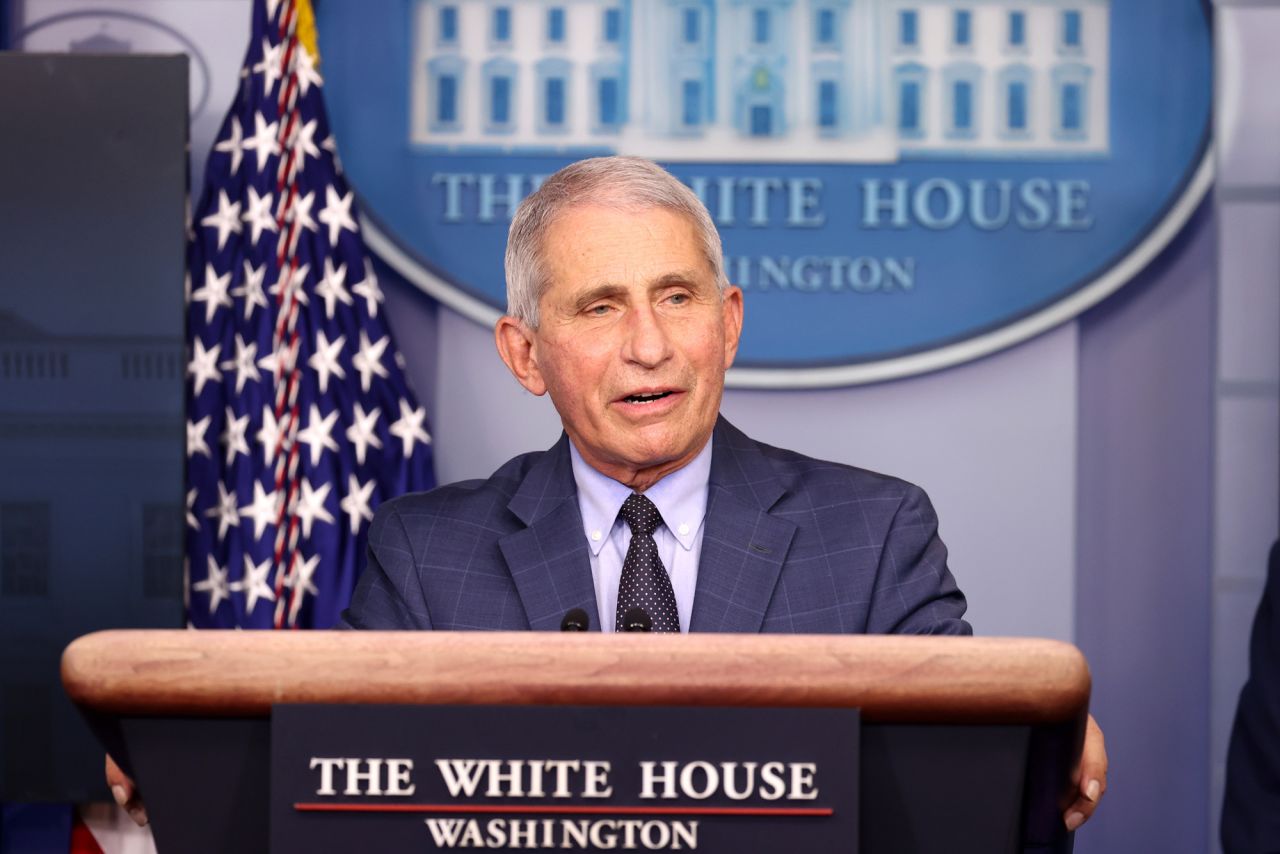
(299, 418)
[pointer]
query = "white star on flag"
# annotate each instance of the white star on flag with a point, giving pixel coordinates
(215, 584)
(324, 361)
(409, 427)
(361, 434)
(290, 285)
(264, 510)
(195, 437)
(317, 436)
(276, 362)
(258, 214)
(303, 570)
(213, 293)
(251, 288)
(307, 74)
(332, 147)
(231, 145)
(301, 213)
(255, 583)
(332, 288)
(244, 363)
(268, 435)
(356, 502)
(227, 513)
(337, 213)
(368, 359)
(304, 146)
(269, 67)
(263, 142)
(311, 506)
(233, 435)
(204, 365)
(192, 521)
(368, 288)
(226, 219)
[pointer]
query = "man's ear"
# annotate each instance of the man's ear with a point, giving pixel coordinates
(732, 306)
(519, 351)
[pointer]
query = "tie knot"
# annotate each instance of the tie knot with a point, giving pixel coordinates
(640, 513)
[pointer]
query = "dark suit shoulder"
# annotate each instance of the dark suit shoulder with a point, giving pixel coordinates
(835, 495)
(434, 558)
(799, 473)
(864, 555)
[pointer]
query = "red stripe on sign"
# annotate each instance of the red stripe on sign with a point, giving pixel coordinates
(564, 809)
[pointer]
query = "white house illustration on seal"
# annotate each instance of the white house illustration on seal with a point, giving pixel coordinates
(758, 80)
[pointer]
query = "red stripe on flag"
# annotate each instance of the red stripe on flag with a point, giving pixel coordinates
(82, 839)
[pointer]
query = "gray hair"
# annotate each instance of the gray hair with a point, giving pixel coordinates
(621, 183)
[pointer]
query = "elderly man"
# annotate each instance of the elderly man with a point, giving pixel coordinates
(651, 503)
(620, 310)
(652, 508)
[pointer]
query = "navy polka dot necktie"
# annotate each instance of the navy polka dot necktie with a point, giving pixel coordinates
(645, 583)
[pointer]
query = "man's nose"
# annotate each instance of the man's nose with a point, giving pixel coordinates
(648, 341)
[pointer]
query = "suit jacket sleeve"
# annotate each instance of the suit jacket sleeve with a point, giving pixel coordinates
(914, 591)
(389, 594)
(1251, 809)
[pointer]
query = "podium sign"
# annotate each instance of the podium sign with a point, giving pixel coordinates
(433, 778)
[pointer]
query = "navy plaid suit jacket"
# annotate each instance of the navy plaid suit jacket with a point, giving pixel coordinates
(790, 544)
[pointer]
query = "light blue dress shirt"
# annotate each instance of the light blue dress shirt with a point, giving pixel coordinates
(681, 499)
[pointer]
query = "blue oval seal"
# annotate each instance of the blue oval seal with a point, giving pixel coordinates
(900, 186)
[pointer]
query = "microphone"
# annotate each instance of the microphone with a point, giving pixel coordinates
(636, 620)
(575, 621)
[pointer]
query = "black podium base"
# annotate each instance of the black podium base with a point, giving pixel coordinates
(924, 789)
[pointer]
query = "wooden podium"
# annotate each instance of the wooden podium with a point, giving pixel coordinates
(967, 743)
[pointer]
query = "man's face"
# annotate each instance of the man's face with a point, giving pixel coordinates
(633, 339)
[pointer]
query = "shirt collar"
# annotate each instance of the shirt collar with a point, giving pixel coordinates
(681, 498)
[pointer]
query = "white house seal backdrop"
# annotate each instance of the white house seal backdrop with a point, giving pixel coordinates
(901, 186)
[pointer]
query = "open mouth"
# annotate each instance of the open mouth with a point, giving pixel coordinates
(647, 398)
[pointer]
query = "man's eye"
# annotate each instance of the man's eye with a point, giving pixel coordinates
(678, 299)
(598, 310)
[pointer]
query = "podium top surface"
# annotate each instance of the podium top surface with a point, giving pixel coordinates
(891, 678)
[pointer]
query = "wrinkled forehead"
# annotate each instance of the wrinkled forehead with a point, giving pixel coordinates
(592, 242)
(615, 204)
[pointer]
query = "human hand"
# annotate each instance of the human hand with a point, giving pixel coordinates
(126, 793)
(1090, 777)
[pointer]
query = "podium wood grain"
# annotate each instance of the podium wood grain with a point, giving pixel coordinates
(892, 679)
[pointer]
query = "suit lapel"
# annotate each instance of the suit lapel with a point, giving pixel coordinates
(743, 547)
(548, 560)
